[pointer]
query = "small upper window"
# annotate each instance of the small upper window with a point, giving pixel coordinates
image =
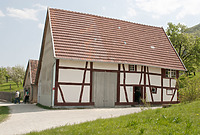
(173, 73)
(170, 73)
(132, 67)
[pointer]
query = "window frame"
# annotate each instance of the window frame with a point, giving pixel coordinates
(134, 66)
(170, 73)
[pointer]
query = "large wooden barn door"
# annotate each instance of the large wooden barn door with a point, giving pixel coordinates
(105, 87)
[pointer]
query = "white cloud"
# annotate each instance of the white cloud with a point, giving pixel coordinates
(29, 14)
(130, 2)
(42, 7)
(158, 7)
(155, 16)
(189, 7)
(131, 12)
(41, 26)
(1, 14)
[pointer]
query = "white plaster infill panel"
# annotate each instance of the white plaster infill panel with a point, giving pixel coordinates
(165, 96)
(155, 70)
(148, 95)
(73, 75)
(71, 93)
(129, 90)
(166, 82)
(175, 96)
(173, 82)
(105, 66)
(73, 63)
(131, 78)
(122, 94)
(155, 80)
(157, 96)
(126, 66)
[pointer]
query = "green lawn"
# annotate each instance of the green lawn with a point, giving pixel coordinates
(179, 119)
(6, 87)
(4, 111)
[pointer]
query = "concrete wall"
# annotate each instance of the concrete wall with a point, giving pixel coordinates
(35, 92)
(46, 74)
(8, 96)
(27, 84)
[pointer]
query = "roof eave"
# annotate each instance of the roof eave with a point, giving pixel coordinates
(120, 62)
(175, 51)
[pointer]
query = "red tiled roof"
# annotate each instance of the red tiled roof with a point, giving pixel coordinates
(33, 67)
(94, 38)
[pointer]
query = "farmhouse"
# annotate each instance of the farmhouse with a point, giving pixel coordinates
(88, 60)
(29, 80)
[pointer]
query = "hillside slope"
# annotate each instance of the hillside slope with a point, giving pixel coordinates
(195, 30)
(178, 119)
(6, 87)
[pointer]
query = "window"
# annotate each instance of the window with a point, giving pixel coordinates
(154, 90)
(173, 74)
(169, 92)
(170, 73)
(132, 67)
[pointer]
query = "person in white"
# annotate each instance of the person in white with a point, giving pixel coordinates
(17, 97)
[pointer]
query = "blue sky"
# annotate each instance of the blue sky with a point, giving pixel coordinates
(22, 21)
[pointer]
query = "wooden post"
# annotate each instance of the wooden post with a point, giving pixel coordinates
(162, 75)
(118, 83)
(56, 82)
(144, 83)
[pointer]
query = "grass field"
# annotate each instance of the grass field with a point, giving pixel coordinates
(4, 111)
(6, 87)
(178, 119)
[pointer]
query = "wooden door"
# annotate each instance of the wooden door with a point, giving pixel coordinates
(105, 87)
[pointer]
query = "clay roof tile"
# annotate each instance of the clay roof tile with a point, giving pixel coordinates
(95, 38)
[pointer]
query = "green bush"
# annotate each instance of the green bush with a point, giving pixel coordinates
(189, 88)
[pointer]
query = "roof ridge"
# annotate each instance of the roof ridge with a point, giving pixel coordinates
(105, 17)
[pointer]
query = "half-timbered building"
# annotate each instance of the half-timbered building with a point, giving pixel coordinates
(88, 60)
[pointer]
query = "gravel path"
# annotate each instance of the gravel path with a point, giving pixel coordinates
(25, 118)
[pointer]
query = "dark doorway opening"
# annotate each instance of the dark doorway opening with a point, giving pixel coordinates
(137, 94)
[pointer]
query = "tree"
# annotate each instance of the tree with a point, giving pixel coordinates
(186, 45)
(3, 75)
(16, 73)
(2, 78)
